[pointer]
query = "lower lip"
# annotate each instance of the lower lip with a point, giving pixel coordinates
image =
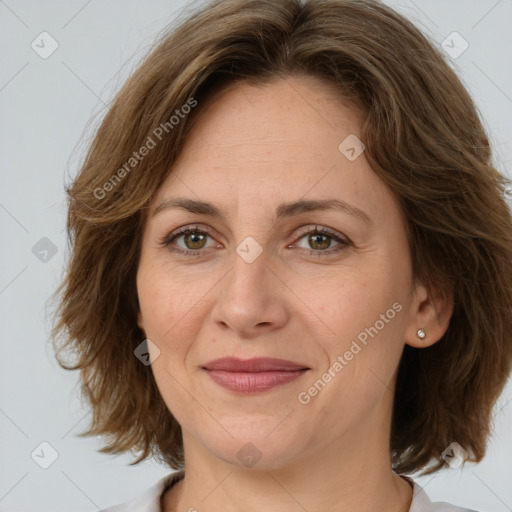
(244, 382)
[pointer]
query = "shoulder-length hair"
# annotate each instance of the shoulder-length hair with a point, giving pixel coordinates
(424, 138)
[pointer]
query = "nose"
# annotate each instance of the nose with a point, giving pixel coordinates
(251, 299)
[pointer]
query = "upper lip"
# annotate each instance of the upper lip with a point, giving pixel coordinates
(257, 364)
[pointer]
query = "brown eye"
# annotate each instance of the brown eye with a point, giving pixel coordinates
(189, 240)
(319, 242)
(195, 240)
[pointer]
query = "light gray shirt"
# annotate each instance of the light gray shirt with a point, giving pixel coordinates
(149, 501)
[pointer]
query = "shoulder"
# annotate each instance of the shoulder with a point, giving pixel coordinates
(149, 500)
(422, 503)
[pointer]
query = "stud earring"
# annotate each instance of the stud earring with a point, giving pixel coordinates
(421, 334)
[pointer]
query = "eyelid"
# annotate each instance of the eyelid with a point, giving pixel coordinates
(309, 229)
(193, 227)
(170, 237)
(298, 234)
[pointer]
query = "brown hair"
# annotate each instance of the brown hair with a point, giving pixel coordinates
(424, 139)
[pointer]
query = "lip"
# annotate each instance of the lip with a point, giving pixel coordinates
(253, 375)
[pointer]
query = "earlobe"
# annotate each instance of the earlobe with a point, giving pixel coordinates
(430, 319)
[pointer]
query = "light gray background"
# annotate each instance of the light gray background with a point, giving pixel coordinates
(45, 106)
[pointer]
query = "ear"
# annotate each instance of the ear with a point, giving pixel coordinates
(431, 311)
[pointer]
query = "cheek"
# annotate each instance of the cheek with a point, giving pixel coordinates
(166, 300)
(362, 358)
(173, 312)
(348, 300)
(363, 314)
(170, 312)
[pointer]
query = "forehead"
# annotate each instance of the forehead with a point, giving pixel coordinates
(270, 120)
(279, 141)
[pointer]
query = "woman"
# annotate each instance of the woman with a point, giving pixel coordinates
(289, 276)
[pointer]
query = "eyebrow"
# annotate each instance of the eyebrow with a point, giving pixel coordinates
(282, 211)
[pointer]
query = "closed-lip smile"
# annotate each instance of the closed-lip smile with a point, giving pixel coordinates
(253, 375)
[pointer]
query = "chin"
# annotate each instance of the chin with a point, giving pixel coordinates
(260, 451)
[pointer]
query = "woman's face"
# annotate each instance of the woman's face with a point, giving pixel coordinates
(263, 168)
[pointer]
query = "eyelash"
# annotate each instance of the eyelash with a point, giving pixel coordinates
(343, 242)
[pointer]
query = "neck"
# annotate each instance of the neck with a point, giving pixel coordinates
(354, 474)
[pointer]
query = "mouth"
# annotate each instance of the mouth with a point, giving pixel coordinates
(253, 375)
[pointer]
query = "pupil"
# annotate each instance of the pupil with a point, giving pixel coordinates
(196, 240)
(314, 240)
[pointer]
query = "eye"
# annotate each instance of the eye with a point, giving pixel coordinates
(320, 240)
(189, 240)
(192, 241)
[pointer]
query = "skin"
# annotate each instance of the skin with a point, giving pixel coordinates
(254, 148)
